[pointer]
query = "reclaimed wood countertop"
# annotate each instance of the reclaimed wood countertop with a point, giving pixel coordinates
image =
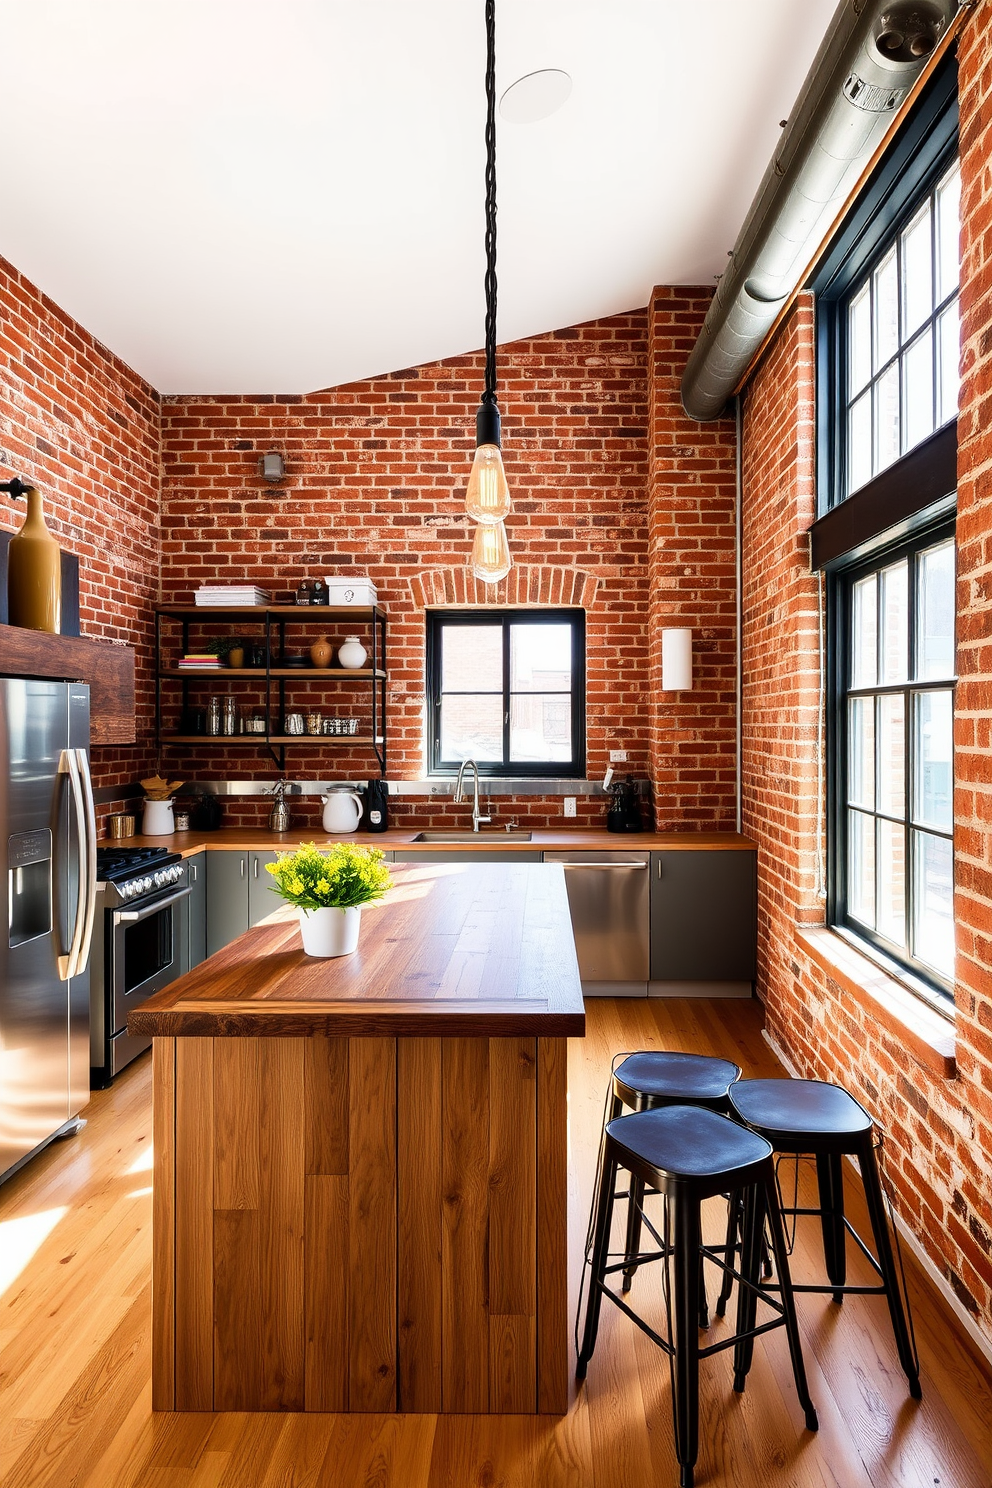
(543, 839)
(453, 950)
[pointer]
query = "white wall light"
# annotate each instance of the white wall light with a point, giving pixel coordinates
(676, 660)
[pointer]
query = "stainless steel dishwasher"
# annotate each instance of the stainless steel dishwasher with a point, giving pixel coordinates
(609, 895)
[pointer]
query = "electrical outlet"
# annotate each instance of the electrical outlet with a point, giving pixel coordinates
(569, 806)
(618, 756)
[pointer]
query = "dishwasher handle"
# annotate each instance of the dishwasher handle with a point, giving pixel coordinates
(599, 867)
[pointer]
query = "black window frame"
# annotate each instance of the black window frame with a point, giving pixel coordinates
(437, 620)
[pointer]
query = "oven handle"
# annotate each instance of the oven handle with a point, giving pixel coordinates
(69, 765)
(131, 916)
(90, 811)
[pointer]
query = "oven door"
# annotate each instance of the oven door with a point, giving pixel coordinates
(149, 948)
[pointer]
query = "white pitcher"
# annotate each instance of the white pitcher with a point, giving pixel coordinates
(342, 811)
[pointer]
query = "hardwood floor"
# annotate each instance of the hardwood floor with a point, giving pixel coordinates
(75, 1366)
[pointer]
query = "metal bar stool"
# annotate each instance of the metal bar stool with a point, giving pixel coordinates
(662, 1077)
(814, 1117)
(689, 1154)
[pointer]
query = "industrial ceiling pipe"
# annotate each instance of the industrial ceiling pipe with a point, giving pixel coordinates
(870, 58)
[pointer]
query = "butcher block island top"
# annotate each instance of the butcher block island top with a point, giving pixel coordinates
(361, 1164)
(483, 950)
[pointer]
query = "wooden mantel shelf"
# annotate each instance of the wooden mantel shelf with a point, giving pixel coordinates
(107, 667)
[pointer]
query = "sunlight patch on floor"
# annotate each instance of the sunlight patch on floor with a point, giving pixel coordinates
(20, 1238)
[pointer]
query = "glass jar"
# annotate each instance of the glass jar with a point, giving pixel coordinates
(214, 716)
(228, 716)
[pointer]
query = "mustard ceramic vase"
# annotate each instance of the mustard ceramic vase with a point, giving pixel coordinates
(34, 572)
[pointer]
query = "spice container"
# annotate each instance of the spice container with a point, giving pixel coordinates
(293, 723)
(315, 723)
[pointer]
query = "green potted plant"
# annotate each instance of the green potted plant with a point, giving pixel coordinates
(329, 889)
(227, 648)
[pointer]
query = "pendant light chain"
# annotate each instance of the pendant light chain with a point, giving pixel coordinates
(489, 395)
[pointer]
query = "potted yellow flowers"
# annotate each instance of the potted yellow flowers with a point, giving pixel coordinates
(330, 889)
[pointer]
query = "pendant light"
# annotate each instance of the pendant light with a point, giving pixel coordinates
(487, 499)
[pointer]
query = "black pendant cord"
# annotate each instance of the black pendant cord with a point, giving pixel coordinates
(489, 395)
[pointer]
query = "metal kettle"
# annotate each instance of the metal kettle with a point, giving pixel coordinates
(279, 815)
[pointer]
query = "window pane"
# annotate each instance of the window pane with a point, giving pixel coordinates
(886, 311)
(540, 658)
(472, 728)
(859, 442)
(949, 360)
(933, 906)
(864, 632)
(917, 391)
(540, 727)
(861, 752)
(892, 754)
(917, 273)
(948, 231)
(859, 337)
(933, 763)
(892, 881)
(861, 867)
(886, 394)
(472, 659)
(895, 622)
(935, 613)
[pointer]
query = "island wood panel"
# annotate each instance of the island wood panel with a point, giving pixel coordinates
(372, 1209)
(552, 1226)
(194, 1284)
(164, 1225)
(421, 1216)
(512, 1225)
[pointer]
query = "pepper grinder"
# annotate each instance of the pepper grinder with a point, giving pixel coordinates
(279, 815)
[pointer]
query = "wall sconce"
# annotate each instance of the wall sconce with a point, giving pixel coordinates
(272, 466)
(676, 660)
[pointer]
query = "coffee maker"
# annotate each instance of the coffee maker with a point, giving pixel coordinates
(624, 814)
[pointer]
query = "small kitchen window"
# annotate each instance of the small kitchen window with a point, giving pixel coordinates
(506, 689)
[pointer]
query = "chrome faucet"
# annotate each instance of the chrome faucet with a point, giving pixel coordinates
(476, 816)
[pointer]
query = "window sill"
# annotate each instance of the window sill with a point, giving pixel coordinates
(923, 1031)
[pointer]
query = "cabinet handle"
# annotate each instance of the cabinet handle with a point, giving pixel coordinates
(244, 863)
(192, 869)
(659, 867)
(254, 867)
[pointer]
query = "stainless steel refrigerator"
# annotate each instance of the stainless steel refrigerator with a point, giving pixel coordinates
(48, 833)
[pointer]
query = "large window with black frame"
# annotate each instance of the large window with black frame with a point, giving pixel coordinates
(507, 689)
(896, 776)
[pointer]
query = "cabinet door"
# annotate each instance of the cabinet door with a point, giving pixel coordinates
(196, 867)
(703, 916)
(261, 900)
(227, 898)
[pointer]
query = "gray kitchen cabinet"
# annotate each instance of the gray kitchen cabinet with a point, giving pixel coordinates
(261, 900)
(703, 916)
(227, 898)
(196, 867)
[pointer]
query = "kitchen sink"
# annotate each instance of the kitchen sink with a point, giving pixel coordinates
(490, 836)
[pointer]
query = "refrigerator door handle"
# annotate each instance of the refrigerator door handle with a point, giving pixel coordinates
(89, 807)
(69, 765)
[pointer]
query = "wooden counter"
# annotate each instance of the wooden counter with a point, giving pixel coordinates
(543, 839)
(360, 1164)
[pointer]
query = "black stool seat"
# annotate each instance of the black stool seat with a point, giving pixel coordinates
(688, 1142)
(787, 1110)
(815, 1117)
(656, 1076)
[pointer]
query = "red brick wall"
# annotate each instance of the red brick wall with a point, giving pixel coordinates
(84, 428)
(939, 1131)
(376, 475)
(691, 567)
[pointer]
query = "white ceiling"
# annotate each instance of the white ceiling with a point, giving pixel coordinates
(283, 195)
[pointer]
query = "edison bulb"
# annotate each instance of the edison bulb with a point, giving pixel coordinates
(487, 499)
(491, 559)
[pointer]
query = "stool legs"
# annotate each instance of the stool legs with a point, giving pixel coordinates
(886, 1260)
(830, 1180)
(685, 1321)
(605, 1184)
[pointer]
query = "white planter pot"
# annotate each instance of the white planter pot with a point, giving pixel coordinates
(330, 932)
(157, 819)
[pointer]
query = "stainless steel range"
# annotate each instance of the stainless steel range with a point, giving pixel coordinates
(140, 945)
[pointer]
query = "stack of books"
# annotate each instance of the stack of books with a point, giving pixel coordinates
(198, 661)
(228, 595)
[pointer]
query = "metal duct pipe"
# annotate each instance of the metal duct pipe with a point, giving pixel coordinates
(871, 56)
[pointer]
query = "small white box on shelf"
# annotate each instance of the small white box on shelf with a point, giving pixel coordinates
(350, 589)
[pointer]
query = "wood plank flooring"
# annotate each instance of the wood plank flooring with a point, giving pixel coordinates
(75, 1346)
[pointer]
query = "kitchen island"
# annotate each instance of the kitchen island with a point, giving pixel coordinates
(360, 1164)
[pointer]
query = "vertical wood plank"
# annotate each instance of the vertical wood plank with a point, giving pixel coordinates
(326, 1075)
(164, 1224)
(512, 1223)
(465, 1235)
(280, 1256)
(552, 1226)
(194, 1224)
(326, 1289)
(372, 1225)
(418, 1126)
(238, 1384)
(235, 1125)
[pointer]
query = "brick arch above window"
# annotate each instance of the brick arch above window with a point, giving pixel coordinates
(529, 584)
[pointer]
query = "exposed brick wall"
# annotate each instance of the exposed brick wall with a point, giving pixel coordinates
(939, 1130)
(376, 475)
(84, 428)
(691, 497)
